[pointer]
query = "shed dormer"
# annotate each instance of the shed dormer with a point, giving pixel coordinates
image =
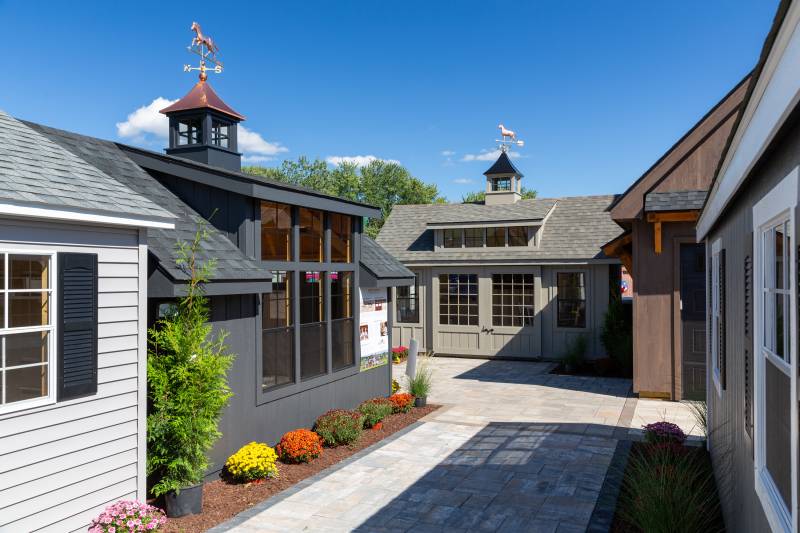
(203, 128)
(503, 182)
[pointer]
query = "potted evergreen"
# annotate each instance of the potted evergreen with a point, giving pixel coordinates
(188, 389)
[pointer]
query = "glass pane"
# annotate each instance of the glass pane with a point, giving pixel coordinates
(312, 350)
(276, 232)
(341, 230)
(473, 237)
(26, 383)
(571, 314)
(779, 326)
(277, 357)
(778, 429)
(28, 309)
(341, 283)
(311, 297)
(495, 237)
(29, 271)
(277, 305)
(518, 236)
(342, 340)
(779, 281)
(26, 348)
(453, 238)
(310, 234)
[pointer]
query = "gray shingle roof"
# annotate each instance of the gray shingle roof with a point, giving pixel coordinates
(381, 263)
(232, 264)
(37, 171)
(675, 201)
(575, 230)
(533, 209)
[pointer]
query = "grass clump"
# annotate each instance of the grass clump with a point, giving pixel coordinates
(420, 385)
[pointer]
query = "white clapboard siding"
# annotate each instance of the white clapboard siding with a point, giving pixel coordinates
(117, 299)
(61, 464)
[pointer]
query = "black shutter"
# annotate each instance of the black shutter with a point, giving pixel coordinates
(721, 328)
(77, 322)
(748, 336)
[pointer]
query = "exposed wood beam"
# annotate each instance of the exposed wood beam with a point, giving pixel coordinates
(627, 261)
(674, 216)
(657, 236)
(616, 247)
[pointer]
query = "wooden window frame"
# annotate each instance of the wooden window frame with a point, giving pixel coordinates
(524, 320)
(458, 305)
(415, 298)
(51, 329)
(586, 316)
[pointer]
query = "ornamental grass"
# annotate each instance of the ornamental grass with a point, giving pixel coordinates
(339, 426)
(402, 402)
(299, 446)
(375, 410)
(253, 461)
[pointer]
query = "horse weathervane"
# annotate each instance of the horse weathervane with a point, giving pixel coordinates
(508, 138)
(205, 47)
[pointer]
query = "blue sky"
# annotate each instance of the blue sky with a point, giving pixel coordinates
(598, 90)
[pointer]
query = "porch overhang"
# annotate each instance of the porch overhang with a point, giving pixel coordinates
(621, 248)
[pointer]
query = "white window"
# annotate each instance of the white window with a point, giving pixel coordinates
(27, 337)
(775, 362)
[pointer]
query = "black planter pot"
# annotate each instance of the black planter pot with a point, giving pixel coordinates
(188, 501)
(422, 401)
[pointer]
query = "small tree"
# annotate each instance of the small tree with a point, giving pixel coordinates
(187, 377)
(617, 336)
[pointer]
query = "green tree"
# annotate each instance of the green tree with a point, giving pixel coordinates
(480, 196)
(379, 183)
(187, 382)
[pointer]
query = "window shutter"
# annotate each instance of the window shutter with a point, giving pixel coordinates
(77, 321)
(748, 336)
(721, 328)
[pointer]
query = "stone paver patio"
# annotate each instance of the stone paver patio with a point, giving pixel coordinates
(513, 449)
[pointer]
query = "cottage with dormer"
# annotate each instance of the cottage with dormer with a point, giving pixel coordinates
(506, 277)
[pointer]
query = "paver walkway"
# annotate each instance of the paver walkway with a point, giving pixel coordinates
(514, 449)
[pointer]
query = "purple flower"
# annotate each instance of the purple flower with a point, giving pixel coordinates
(664, 432)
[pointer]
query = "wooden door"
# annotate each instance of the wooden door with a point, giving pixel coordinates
(457, 314)
(693, 320)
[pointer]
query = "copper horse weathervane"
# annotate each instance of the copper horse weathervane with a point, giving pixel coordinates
(205, 47)
(508, 138)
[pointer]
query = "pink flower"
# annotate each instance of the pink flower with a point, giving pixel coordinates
(112, 529)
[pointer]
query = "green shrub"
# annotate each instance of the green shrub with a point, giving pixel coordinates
(617, 336)
(668, 488)
(339, 426)
(420, 385)
(576, 352)
(375, 410)
(187, 382)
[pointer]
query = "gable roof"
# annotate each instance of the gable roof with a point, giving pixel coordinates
(675, 201)
(771, 96)
(503, 165)
(37, 173)
(690, 163)
(575, 230)
(107, 157)
(523, 210)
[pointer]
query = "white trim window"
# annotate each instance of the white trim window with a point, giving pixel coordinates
(775, 364)
(716, 316)
(27, 331)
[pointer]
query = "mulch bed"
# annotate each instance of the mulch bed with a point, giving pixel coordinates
(223, 500)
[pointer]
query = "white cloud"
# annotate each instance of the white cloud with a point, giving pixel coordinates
(358, 160)
(146, 125)
(463, 181)
(448, 153)
(146, 121)
(487, 155)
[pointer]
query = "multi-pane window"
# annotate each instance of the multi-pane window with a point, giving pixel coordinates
(408, 302)
(571, 299)
(453, 238)
(312, 324)
(777, 292)
(27, 327)
(518, 236)
(277, 320)
(190, 131)
(501, 184)
(220, 133)
(276, 231)
(458, 299)
(341, 231)
(512, 300)
(495, 237)
(311, 234)
(342, 319)
(473, 237)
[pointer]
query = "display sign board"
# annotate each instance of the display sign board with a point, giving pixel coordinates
(373, 328)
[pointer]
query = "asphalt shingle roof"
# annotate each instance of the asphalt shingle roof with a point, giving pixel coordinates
(675, 201)
(232, 263)
(531, 209)
(381, 263)
(575, 230)
(35, 170)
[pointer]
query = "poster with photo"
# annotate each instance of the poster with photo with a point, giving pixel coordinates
(373, 328)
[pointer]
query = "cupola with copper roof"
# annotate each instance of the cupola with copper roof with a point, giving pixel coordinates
(202, 127)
